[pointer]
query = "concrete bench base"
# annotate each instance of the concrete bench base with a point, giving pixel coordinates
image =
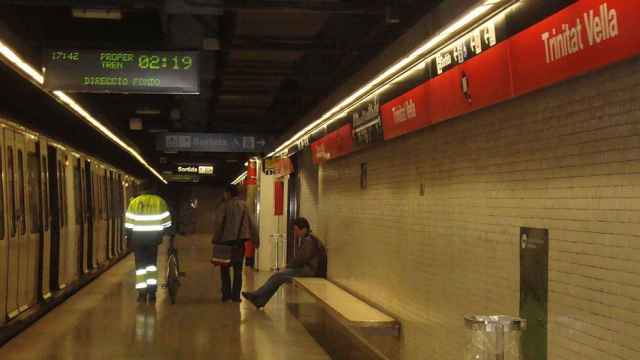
(353, 311)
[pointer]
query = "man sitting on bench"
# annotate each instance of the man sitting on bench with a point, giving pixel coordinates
(310, 260)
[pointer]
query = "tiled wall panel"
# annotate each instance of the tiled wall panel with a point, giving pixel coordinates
(566, 158)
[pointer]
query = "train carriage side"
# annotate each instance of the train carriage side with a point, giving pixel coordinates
(61, 216)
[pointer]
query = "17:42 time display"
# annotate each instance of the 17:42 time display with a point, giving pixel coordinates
(155, 62)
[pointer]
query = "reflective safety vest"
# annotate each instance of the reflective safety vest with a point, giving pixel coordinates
(147, 213)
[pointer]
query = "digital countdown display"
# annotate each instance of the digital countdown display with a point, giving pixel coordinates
(109, 71)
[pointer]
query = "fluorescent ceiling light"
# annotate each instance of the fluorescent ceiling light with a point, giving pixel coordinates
(14, 59)
(17, 61)
(391, 72)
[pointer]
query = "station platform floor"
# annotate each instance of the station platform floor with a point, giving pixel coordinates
(103, 320)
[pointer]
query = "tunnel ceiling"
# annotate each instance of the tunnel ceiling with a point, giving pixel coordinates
(264, 63)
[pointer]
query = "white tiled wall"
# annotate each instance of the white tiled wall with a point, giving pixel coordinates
(566, 158)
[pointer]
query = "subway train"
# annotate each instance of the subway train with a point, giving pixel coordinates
(61, 218)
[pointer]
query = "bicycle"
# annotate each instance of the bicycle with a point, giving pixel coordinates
(173, 272)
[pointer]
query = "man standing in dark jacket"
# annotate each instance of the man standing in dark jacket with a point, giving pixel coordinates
(233, 225)
(309, 261)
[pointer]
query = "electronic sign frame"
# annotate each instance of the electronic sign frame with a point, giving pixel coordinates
(122, 71)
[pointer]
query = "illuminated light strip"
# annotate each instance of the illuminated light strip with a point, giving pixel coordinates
(394, 70)
(11, 56)
(132, 216)
(239, 179)
(15, 59)
(146, 228)
(105, 131)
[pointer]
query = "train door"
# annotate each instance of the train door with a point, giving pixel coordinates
(12, 236)
(55, 279)
(66, 241)
(108, 211)
(71, 229)
(45, 248)
(4, 248)
(26, 261)
(119, 213)
(100, 229)
(81, 214)
(33, 215)
(90, 214)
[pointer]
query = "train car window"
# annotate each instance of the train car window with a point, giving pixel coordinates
(23, 216)
(103, 200)
(1, 199)
(107, 195)
(46, 201)
(63, 198)
(64, 191)
(34, 192)
(11, 190)
(98, 196)
(77, 193)
(94, 203)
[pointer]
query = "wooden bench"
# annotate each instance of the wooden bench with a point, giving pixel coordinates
(351, 310)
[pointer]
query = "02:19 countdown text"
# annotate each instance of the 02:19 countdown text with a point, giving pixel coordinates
(162, 62)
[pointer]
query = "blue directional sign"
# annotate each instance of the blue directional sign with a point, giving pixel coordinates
(212, 142)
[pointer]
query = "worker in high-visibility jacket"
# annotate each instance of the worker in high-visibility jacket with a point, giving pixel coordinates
(147, 219)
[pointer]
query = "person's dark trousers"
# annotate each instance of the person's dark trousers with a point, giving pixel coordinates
(146, 268)
(249, 262)
(230, 292)
(266, 291)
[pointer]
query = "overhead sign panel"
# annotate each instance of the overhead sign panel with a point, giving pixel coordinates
(112, 71)
(195, 169)
(212, 142)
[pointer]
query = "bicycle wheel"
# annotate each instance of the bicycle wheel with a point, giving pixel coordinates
(172, 278)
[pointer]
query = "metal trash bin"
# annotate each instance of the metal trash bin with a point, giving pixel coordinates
(493, 337)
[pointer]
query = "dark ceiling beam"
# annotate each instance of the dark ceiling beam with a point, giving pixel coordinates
(324, 6)
(288, 44)
(256, 72)
(246, 92)
(309, 6)
(251, 82)
(280, 65)
(223, 106)
(252, 77)
(106, 4)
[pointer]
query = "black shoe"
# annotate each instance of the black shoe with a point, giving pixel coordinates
(253, 299)
(237, 300)
(142, 298)
(152, 298)
(225, 299)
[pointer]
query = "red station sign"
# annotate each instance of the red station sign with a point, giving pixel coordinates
(583, 37)
(484, 68)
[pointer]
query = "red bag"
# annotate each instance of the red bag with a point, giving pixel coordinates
(249, 249)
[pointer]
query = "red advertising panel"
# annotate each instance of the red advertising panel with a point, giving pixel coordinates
(582, 37)
(405, 113)
(252, 177)
(335, 144)
(278, 193)
(475, 84)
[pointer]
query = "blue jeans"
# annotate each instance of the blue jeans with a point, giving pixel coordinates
(269, 288)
